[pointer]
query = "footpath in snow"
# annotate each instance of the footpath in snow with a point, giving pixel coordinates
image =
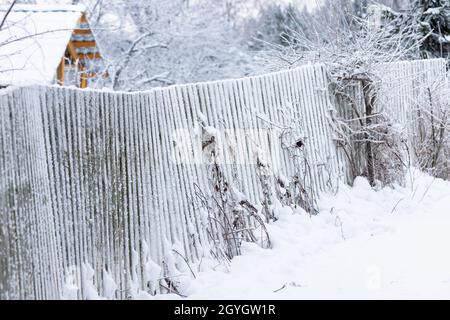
(364, 244)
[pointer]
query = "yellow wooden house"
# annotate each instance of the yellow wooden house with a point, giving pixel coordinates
(45, 44)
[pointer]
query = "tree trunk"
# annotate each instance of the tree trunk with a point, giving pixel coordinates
(369, 101)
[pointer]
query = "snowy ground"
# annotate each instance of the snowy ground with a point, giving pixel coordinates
(392, 243)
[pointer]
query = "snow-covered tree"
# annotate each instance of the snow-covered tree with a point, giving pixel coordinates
(428, 22)
(352, 50)
(432, 23)
(156, 43)
(276, 24)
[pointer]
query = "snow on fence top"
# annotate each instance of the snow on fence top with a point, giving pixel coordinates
(98, 189)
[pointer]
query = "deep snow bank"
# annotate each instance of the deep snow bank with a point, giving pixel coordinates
(390, 243)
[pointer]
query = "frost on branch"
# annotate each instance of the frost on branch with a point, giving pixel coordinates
(431, 130)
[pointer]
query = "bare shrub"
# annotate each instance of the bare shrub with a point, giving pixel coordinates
(352, 55)
(430, 128)
(374, 145)
(232, 218)
(296, 190)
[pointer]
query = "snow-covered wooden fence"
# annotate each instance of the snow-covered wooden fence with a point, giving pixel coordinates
(98, 189)
(93, 188)
(406, 82)
(401, 87)
(29, 259)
